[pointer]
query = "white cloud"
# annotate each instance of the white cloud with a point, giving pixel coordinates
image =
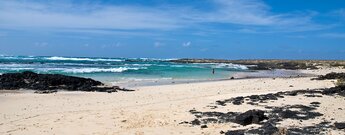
(244, 12)
(251, 13)
(186, 44)
(18, 14)
(59, 15)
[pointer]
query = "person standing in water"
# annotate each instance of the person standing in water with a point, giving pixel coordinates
(213, 71)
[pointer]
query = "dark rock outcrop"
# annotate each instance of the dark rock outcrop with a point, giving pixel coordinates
(250, 117)
(246, 118)
(317, 129)
(45, 91)
(266, 129)
(298, 112)
(203, 126)
(212, 117)
(332, 75)
(340, 125)
(338, 90)
(269, 118)
(272, 115)
(271, 129)
(46, 82)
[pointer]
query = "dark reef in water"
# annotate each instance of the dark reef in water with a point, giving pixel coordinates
(48, 83)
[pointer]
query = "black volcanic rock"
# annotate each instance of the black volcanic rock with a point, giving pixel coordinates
(332, 75)
(250, 117)
(41, 82)
(266, 129)
(196, 122)
(273, 115)
(203, 126)
(45, 91)
(339, 90)
(271, 129)
(253, 99)
(340, 125)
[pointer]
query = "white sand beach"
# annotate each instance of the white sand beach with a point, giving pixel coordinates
(172, 67)
(155, 109)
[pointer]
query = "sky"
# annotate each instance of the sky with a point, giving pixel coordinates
(226, 29)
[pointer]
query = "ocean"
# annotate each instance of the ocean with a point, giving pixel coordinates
(119, 70)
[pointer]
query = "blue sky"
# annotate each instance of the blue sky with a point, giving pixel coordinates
(230, 29)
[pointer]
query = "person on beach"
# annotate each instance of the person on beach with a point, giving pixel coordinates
(213, 71)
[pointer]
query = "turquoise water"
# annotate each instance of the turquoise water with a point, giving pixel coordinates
(117, 69)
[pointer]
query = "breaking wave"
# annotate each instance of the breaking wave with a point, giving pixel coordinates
(81, 59)
(225, 65)
(98, 70)
(233, 66)
(74, 70)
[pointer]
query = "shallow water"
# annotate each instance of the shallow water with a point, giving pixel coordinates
(119, 70)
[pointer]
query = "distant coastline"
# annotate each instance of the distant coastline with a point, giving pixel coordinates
(268, 64)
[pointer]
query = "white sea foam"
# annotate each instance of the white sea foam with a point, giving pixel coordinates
(145, 79)
(72, 70)
(98, 70)
(113, 60)
(234, 66)
(131, 80)
(72, 64)
(152, 59)
(225, 65)
(64, 58)
(16, 69)
(31, 58)
(8, 57)
(138, 65)
(14, 65)
(183, 66)
(81, 59)
(16, 57)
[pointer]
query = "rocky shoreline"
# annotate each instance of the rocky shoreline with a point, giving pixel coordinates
(271, 64)
(50, 83)
(271, 116)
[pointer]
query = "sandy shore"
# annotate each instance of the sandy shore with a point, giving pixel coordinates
(156, 109)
